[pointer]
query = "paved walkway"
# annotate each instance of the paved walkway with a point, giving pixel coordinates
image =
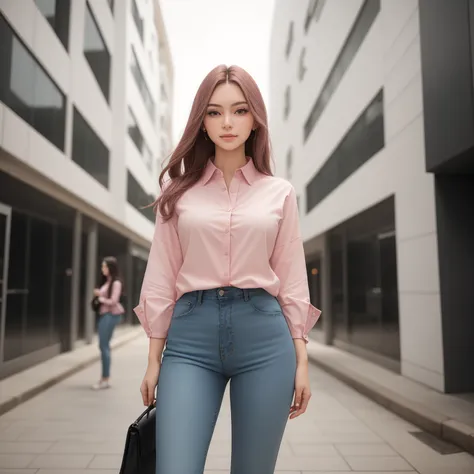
(69, 429)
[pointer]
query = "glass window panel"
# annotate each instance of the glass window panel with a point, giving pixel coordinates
(49, 109)
(88, 151)
(48, 9)
(57, 13)
(142, 86)
(367, 15)
(138, 198)
(137, 19)
(28, 90)
(148, 157)
(134, 130)
(21, 84)
(96, 53)
(364, 139)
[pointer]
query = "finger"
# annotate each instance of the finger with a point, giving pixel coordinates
(297, 399)
(151, 394)
(304, 404)
(143, 393)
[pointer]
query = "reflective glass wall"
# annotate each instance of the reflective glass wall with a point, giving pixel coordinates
(364, 289)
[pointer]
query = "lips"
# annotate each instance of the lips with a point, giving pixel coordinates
(228, 136)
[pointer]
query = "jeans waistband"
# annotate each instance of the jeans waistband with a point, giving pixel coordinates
(226, 293)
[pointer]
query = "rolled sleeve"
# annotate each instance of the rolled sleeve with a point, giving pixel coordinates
(288, 263)
(158, 293)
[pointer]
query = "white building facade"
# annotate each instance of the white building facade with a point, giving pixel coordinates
(84, 125)
(361, 92)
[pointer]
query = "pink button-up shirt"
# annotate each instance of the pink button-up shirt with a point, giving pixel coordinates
(112, 304)
(246, 237)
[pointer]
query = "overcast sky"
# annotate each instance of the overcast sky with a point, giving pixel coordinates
(205, 33)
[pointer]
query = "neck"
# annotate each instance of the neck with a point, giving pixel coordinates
(229, 161)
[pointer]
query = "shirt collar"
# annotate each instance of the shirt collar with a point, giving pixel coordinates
(249, 171)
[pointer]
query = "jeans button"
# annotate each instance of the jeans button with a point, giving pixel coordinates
(221, 292)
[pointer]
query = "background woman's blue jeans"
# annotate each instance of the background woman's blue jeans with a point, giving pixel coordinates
(105, 328)
(216, 336)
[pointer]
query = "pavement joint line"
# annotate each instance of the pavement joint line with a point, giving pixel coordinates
(448, 429)
(44, 385)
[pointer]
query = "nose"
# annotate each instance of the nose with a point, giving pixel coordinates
(227, 124)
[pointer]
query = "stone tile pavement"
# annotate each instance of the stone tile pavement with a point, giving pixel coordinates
(70, 429)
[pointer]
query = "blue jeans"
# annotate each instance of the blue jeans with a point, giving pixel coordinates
(105, 328)
(216, 336)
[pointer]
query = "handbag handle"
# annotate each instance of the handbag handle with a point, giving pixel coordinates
(145, 413)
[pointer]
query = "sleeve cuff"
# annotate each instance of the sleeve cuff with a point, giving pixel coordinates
(159, 332)
(312, 317)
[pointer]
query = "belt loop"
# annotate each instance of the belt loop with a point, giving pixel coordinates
(199, 296)
(246, 294)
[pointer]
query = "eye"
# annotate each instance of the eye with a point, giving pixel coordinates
(212, 112)
(241, 111)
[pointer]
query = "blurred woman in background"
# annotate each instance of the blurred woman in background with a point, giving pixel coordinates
(111, 311)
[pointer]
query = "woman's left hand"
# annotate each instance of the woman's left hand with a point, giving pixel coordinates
(302, 390)
(96, 292)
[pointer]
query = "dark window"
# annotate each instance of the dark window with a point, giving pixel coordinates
(142, 86)
(57, 13)
(363, 278)
(314, 11)
(289, 42)
(137, 137)
(96, 52)
(287, 108)
(301, 66)
(147, 157)
(28, 90)
(88, 151)
(134, 131)
(361, 142)
(138, 198)
(289, 164)
(137, 19)
(361, 27)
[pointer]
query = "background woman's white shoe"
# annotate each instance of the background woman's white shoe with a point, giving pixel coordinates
(100, 385)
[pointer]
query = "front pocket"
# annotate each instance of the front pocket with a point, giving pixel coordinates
(183, 307)
(266, 304)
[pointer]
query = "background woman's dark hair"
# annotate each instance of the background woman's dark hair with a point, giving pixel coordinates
(114, 272)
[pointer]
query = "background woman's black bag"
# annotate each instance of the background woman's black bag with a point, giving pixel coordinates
(139, 456)
(95, 304)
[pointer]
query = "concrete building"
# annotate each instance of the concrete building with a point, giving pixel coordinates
(372, 115)
(85, 114)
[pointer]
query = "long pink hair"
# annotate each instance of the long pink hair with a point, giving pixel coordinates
(188, 161)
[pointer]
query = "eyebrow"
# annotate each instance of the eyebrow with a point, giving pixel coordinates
(234, 104)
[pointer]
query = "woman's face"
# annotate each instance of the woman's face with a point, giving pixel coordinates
(105, 269)
(228, 120)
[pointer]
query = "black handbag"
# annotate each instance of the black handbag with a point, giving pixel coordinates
(139, 456)
(95, 304)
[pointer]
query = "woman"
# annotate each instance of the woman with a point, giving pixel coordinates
(225, 287)
(111, 312)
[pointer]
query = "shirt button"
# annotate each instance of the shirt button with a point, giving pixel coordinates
(224, 189)
(227, 231)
